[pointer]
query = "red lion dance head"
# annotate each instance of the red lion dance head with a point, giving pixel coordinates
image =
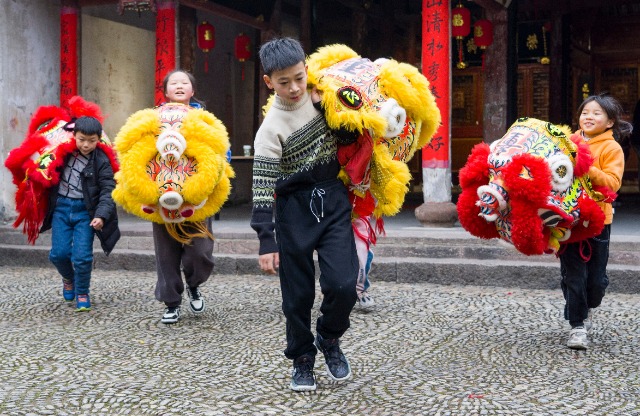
(531, 188)
(34, 164)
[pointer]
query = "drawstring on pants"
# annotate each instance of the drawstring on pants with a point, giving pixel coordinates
(317, 192)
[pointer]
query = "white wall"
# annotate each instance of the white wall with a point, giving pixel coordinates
(29, 76)
(118, 69)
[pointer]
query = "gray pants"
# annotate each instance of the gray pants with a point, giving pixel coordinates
(196, 260)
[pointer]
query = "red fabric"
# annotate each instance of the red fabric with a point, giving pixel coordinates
(355, 158)
(362, 206)
(436, 68)
(591, 221)
(165, 45)
(68, 53)
(527, 232)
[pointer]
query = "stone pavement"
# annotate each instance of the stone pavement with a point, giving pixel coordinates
(425, 350)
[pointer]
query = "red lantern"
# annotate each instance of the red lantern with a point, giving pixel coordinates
(206, 40)
(243, 49)
(460, 22)
(460, 27)
(483, 33)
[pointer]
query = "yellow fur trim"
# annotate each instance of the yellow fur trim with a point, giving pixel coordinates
(389, 182)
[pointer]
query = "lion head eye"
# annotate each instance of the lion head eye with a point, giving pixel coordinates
(561, 171)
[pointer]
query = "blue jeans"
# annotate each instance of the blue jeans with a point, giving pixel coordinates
(584, 282)
(72, 243)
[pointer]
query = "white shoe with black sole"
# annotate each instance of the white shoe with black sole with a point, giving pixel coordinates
(196, 301)
(171, 315)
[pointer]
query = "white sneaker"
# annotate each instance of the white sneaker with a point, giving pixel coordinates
(196, 301)
(171, 315)
(578, 338)
(366, 301)
(588, 323)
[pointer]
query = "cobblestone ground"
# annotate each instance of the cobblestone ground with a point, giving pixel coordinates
(424, 350)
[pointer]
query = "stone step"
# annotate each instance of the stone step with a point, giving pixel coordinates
(447, 271)
(408, 243)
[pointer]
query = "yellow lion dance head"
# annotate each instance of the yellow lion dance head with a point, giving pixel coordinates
(173, 165)
(392, 108)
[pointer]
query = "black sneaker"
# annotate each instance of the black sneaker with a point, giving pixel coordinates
(338, 367)
(171, 315)
(303, 378)
(196, 301)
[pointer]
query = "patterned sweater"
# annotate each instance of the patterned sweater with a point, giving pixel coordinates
(294, 150)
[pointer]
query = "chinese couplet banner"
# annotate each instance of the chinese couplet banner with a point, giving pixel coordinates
(165, 44)
(436, 67)
(68, 53)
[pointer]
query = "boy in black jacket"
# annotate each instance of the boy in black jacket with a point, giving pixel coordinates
(79, 206)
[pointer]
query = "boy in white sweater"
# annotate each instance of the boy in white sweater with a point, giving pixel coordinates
(295, 163)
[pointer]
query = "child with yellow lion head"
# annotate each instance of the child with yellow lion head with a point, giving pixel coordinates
(175, 173)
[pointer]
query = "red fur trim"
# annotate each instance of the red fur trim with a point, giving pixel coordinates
(584, 158)
(60, 152)
(45, 117)
(609, 195)
(476, 171)
(79, 107)
(527, 234)
(535, 190)
(32, 202)
(592, 215)
(469, 218)
(19, 159)
(111, 154)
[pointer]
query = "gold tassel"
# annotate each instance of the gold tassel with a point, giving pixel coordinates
(185, 232)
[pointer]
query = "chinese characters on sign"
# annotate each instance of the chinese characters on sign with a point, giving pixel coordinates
(435, 66)
(165, 45)
(68, 53)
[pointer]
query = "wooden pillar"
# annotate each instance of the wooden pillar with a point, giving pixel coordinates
(275, 29)
(68, 51)
(187, 29)
(165, 44)
(495, 85)
(557, 107)
(437, 210)
(305, 24)
(358, 30)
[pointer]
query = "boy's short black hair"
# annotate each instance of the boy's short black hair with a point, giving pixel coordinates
(280, 53)
(88, 126)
